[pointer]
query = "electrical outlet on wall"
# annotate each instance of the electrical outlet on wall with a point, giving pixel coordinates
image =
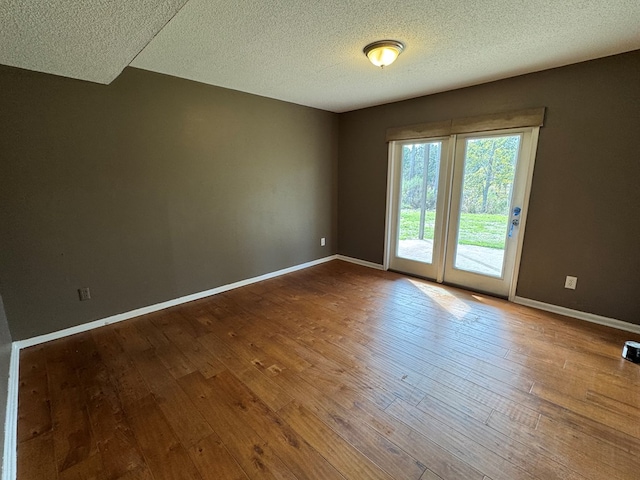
(84, 294)
(571, 282)
(323, 242)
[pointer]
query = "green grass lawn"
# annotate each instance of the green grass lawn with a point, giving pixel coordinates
(479, 229)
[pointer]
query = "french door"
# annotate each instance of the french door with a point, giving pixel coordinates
(457, 206)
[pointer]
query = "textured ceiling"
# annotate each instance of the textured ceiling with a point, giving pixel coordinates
(310, 52)
(90, 40)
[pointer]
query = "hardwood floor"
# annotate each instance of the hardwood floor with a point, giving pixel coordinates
(336, 371)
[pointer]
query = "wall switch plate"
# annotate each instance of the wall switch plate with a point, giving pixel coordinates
(323, 242)
(84, 294)
(571, 282)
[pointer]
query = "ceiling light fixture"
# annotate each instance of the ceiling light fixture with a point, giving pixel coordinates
(383, 52)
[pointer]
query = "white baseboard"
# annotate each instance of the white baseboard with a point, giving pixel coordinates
(357, 261)
(11, 423)
(11, 417)
(29, 342)
(161, 306)
(589, 317)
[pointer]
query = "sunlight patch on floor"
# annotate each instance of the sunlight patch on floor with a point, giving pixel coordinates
(453, 305)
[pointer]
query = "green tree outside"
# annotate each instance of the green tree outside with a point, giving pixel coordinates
(488, 177)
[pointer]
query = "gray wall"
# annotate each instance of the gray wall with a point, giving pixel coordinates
(585, 192)
(5, 359)
(150, 189)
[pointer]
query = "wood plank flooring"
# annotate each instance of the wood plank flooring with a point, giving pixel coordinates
(333, 372)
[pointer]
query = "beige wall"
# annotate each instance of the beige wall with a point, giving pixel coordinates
(150, 189)
(583, 215)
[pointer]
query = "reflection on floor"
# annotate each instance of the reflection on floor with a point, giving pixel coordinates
(334, 372)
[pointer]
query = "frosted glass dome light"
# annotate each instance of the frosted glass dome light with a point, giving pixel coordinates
(383, 52)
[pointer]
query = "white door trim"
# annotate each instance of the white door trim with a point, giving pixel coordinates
(535, 132)
(445, 212)
(389, 212)
(432, 269)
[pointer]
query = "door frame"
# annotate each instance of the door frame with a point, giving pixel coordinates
(533, 149)
(390, 215)
(442, 205)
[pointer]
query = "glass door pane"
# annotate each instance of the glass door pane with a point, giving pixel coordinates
(455, 205)
(420, 171)
(485, 204)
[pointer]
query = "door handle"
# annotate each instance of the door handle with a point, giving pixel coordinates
(515, 220)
